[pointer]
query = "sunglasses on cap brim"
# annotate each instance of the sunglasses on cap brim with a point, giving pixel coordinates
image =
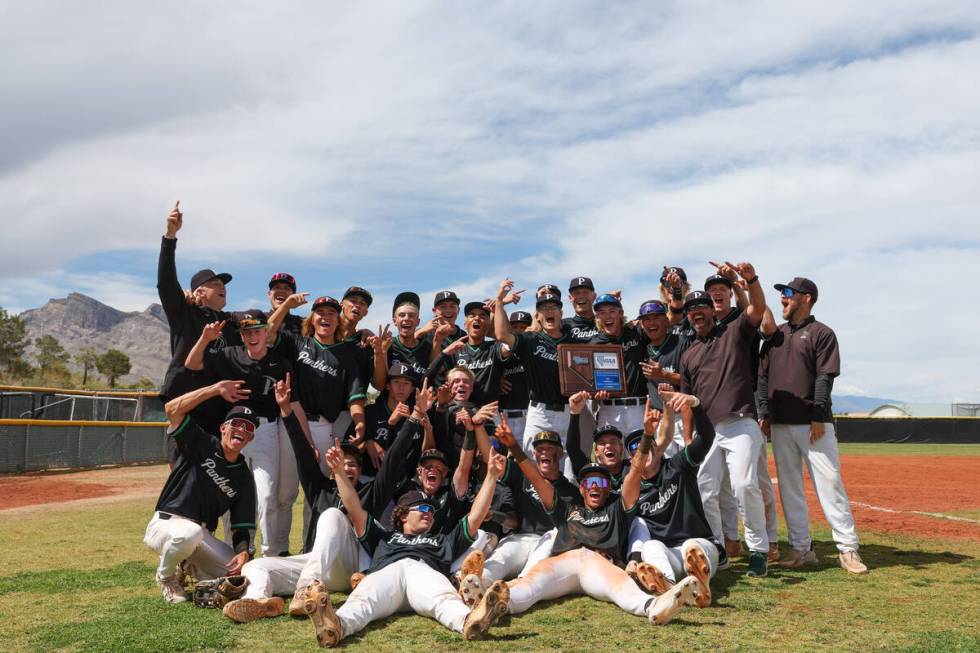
(243, 424)
(423, 508)
(594, 481)
(633, 446)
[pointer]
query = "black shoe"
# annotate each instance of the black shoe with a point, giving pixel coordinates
(284, 554)
(758, 565)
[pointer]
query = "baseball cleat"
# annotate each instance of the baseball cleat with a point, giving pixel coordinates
(491, 607)
(356, 578)
(666, 606)
(245, 610)
(471, 590)
(472, 564)
(296, 608)
(796, 559)
(696, 564)
(172, 589)
(325, 621)
(758, 565)
(850, 561)
(651, 579)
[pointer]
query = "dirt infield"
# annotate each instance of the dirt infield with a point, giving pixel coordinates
(888, 493)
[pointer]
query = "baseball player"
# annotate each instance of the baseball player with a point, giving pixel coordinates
(581, 327)
(269, 455)
(281, 286)
(673, 288)
(355, 303)
(717, 369)
(796, 377)
(513, 386)
(607, 442)
(406, 346)
(485, 358)
(664, 350)
(210, 477)
(409, 566)
(625, 413)
(590, 544)
(333, 553)
(445, 310)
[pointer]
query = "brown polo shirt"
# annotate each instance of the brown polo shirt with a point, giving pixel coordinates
(791, 360)
(718, 370)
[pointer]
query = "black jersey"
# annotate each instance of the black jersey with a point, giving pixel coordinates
(449, 507)
(501, 505)
(377, 428)
(202, 486)
(634, 342)
(437, 550)
(516, 398)
(578, 459)
(328, 377)
(534, 518)
(417, 357)
(292, 324)
(260, 376)
(668, 354)
(604, 530)
(448, 340)
(320, 492)
(579, 329)
(485, 361)
(539, 353)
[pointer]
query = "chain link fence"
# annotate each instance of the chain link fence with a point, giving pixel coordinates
(29, 446)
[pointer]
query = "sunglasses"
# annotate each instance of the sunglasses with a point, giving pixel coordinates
(423, 508)
(789, 293)
(653, 309)
(594, 481)
(633, 446)
(243, 424)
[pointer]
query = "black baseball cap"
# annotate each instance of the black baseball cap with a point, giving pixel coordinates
(406, 297)
(633, 440)
(717, 278)
(325, 301)
(360, 292)
(580, 282)
(521, 317)
(415, 498)
(351, 450)
(445, 296)
(283, 277)
(548, 289)
(253, 318)
(653, 307)
(433, 454)
(606, 429)
(475, 306)
(593, 468)
(606, 298)
(242, 412)
(201, 277)
(549, 437)
(548, 299)
(400, 370)
(800, 284)
(697, 298)
(680, 272)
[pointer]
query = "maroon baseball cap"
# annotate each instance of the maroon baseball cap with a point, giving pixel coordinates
(800, 284)
(283, 277)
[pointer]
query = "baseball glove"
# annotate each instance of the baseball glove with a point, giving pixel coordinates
(216, 593)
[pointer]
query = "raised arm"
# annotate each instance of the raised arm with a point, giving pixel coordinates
(705, 431)
(195, 357)
(279, 315)
(484, 498)
(461, 476)
(501, 325)
(544, 488)
(757, 298)
(172, 296)
(307, 456)
(380, 344)
(348, 495)
(179, 407)
(631, 482)
(573, 441)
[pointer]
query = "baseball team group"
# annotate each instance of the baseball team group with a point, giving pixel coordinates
(467, 486)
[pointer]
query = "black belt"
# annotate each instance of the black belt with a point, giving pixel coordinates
(625, 401)
(558, 408)
(513, 414)
(166, 515)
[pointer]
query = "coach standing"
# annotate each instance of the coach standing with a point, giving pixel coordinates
(796, 376)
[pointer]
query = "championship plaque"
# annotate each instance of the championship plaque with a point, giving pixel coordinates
(592, 368)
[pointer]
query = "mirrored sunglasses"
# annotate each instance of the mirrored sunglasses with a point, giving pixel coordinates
(243, 424)
(423, 507)
(787, 292)
(594, 481)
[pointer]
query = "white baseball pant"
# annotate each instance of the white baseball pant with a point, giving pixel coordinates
(670, 559)
(272, 461)
(736, 445)
(178, 539)
(403, 586)
(579, 571)
(541, 419)
(625, 418)
(516, 554)
(791, 446)
(729, 506)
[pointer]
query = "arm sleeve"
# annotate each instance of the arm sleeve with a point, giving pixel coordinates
(310, 476)
(392, 471)
(704, 436)
(439, 365)
(762, 381)
(822, 387)
(168, 287)
(442, 430)
(574, 442)
(242, 515)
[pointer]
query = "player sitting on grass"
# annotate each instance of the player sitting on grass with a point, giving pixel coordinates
(409, 566)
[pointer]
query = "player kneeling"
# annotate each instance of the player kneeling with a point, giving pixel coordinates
(409, 566)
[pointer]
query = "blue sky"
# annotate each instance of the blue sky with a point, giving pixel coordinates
(422, 146)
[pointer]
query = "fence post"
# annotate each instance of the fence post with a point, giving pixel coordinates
(125, 440)
(27, 442)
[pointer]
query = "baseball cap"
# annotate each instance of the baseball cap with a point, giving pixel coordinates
(283, 277)
(606, 429)
(253, 318)
(351, 450)
(433, 454)
(400, 370)
(697, 298)
(549, 437)
(580, 282)
(606, 298)
(360, 292)
(325, 301)
(633, 440)
(201, 277)
(800, 284)
(474, 306)
(680, 272)
(521, 317)
(242, 412)
(406, 297)
(593, 468)
(653, 307)
(717, 278)
(548, 289)
(414, 498)
(548, 299)
(445, 296)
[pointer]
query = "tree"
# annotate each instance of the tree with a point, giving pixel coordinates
(13, 341)
(112, 365)
(88, 358)
(50, 355)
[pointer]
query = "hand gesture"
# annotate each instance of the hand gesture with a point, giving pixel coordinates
(726, 270)
(514, 296)
(463, 417)
(497, 464)
(235, 565)
(401, 412)
(602, 395)
(381, 342)
(677, 401)
(506, 286)
(485, 414)
(233, 391)
(445, 394)
(745, 270)
(651, 419)
(295, 300)
(424, 398)
(455, 346)
(672, 279)
(504, 434)
(335, 460)
(212, 330)
(174, 221)
(577, 401)
(376, 452)
(283, 393)
(652, 370)
(505, 386)
(443, 330)
(618, 294)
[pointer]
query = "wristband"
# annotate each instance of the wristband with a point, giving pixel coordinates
(754, 279)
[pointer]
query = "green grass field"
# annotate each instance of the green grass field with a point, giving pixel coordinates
(81, 580)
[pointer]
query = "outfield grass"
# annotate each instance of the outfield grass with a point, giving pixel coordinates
(893, 449)
(81, 580)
